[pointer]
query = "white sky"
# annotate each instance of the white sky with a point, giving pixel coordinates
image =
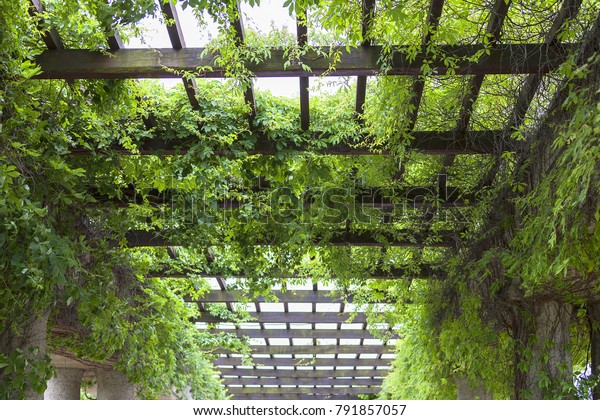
(269, 13)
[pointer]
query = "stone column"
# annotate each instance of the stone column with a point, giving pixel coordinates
(468, 390)
(551, 349)
(66, 385)
(113, 385)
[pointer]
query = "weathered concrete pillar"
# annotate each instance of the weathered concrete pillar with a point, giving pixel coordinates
(113, 385)
(65, 385)
(29, 338)
(469, 390)
(593, 310)
(551, 350)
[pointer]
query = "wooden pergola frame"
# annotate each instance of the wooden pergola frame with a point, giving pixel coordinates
(290, 377)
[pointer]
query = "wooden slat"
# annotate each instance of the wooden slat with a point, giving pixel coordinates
(307, 349)
(569, 9)
(151, 63)
(306, 374)
(299, 333)
(423, 271)
(114, 41)
(294, 397)
(493, 28)
(305, 390)
(280, 317)
(301, 381)
(238, 25)
(302, 38)
(136, 238)
(178, 42)
(49, 34)
(173, 25)
(429, 142)
(368, 7)
(431, 24)
(385, 198)
(266, 361)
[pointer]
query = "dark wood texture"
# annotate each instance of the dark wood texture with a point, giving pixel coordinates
(137, 238)
(151, 63)
(267, 361)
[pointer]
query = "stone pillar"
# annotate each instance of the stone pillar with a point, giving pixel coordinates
(551, 349)
(66, 385)
(113, 385)
(468, 390)
(593, 310)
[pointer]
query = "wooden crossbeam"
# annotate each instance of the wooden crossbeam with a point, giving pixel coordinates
(49, 34)
(569, 9)
(429, 142)
(368, 9)
(423, 271)
(299, 333)
(178, 42)
(431, 24)
(302, 381)
(294, 296)
(306, 374)
(238, 25)
(293, 397)
(114, 41)
(136, 238)
(295, 317)
(401, 199)
(274, 362)
(153, 63)
(318, 349)
(494, 26)
(302, 38)
(305, 390)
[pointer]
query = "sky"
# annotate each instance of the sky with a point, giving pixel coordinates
(269, 13)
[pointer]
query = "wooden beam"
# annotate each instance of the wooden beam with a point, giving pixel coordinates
(49, 34)
(431, 24)
(368, 9)
(307, 349)
(423, 271)
(305, 390)
(429, 142)
(569, 10)
(177, 41)
(494, 26)
(152, 62)
(385, 198)
(295, 317)
(302, 381)
(173, 24)
(238, 25)
(114, 41)
(299, 333)
(302, 38)
(306, 374)
(136, 238)
(267, 361)
(495, 22)
(293, 397)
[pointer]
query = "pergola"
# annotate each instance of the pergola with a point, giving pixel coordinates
(308, 346)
